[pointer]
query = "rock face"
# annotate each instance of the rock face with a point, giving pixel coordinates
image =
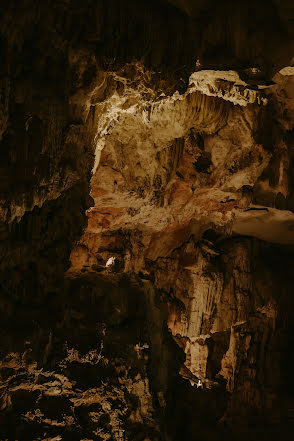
(146, 220)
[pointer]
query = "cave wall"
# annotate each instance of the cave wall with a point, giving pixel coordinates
(160, 133)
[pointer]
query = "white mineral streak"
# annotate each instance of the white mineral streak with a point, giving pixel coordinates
(289, 70)
(170, 116)
(110, 261)
(226, 85)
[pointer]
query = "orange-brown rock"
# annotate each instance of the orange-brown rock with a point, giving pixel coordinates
(146, 220)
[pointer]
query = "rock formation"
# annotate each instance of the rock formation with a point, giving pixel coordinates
(147, 220)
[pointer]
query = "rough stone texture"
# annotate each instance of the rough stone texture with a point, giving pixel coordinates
(172, 212)
(83, 373)
(159, 133)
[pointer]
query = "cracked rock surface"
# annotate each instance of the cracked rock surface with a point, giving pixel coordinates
(146, 220)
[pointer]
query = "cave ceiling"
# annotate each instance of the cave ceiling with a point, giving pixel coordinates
(146, 220)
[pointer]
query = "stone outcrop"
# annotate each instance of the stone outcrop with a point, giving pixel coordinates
(146, 220)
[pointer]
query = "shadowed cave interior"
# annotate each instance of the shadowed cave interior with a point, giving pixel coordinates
(146, 220)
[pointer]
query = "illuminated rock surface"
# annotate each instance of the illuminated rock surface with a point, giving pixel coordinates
(147, 220)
